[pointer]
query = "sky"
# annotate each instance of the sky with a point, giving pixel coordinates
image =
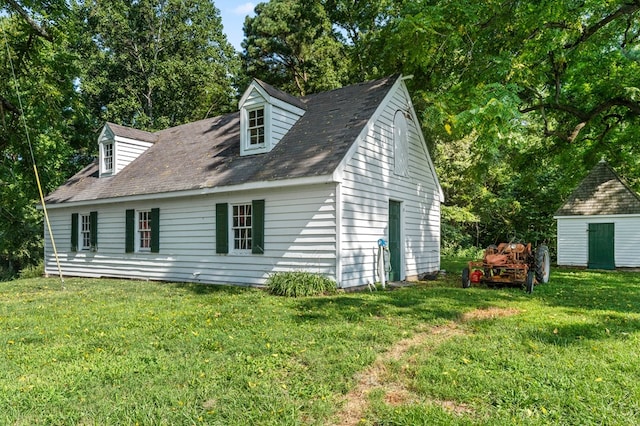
(233, 14)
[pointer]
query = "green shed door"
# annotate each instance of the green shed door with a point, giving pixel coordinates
(601, 254)
(395, 230)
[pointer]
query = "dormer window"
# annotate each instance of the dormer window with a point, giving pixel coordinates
(256, 127)
(120, 145)
(266, 115)
(107, 157)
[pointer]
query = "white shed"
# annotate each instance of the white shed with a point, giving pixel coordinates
(284, 184)
(599, 225)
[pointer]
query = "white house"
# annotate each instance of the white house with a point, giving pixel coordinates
(285, 184)
(599, 225)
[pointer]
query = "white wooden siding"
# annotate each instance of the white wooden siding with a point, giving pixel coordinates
(369, 182)
(281, 121)
(126, 152)
(300, 234)
(573, 239)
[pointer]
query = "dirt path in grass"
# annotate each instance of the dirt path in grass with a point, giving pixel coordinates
(396, 393)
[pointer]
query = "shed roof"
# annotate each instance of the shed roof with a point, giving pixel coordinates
(602, 192)
(206, 153)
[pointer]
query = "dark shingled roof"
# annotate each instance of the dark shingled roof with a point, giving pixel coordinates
(206, 153)
(601, 192)
(279, 94)
(128, 132)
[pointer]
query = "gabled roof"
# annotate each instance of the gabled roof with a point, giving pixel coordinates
(129, 133)
(602, 192)
(206, 153)
(279, 94)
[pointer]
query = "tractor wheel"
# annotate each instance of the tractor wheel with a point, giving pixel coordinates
(529, 282)
(466, 279)
(543, 264)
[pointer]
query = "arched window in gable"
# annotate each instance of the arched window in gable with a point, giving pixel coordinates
(400, 144)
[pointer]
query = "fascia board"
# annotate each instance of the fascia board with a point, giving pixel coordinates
(599, 216)
(133, 141)
(423, 142)
(286, 106)
(264, 185)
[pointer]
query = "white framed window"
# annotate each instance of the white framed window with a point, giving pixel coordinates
(107, 157)
(255, 128)
(241, 227)
(85, 232)
(143, 230)
(400, 144)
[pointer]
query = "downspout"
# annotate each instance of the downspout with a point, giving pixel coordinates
(339, 233)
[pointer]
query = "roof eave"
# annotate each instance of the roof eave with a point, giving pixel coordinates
(250, 186)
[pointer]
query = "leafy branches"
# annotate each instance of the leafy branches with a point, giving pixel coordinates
(39, 30)
(625, 9)
(291, 44)
(153, 65)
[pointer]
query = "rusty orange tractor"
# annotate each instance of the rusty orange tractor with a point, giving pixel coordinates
(509, 264)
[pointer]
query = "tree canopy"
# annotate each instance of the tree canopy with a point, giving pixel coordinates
(292, 44)
(531, 93)
(40, 114)
(155, 64)
(77, 64)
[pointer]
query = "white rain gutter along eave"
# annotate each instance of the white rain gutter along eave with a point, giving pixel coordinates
(253, 186)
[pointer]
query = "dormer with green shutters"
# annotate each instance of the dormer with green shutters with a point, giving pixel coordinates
(119, 146)
(266, 115)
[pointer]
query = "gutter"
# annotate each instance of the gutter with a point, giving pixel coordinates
(262, 185)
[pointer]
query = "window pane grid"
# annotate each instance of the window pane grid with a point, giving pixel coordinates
(144, 229)
(256, 127)
(108, 156)
(85, 231)
(241, 226)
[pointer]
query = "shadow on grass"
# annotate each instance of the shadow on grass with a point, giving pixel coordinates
(422, 303)
(212, 288)
(617, 291)
(599, 327)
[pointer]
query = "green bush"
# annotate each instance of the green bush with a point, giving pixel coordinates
(469, 252)
(299, 283)
(32, 271)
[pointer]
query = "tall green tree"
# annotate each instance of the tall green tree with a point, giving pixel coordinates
(292, 45)
(539, 90)
(358, 23)
(154, 64)
(40, 114)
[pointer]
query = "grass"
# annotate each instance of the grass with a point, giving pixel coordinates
(130, 352)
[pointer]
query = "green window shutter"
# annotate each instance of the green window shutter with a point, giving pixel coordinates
(257, 227)
(222, 228)
(93, 229)
(130, 231)
(155, 230)
(74, 232)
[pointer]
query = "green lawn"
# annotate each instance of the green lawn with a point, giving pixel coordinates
(129, 352)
